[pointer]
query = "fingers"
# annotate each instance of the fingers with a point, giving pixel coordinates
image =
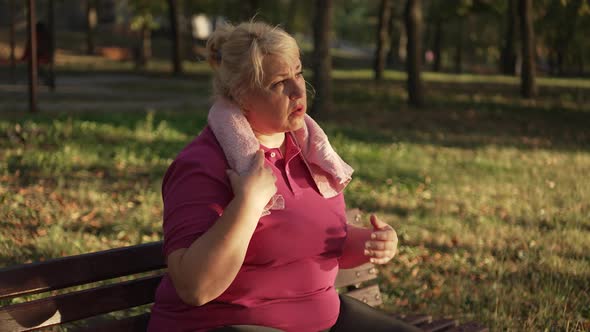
(380, 256)
(380, 253)
(380, 260)
(381, 249)
(384, 235)
(380, 245)
(377, 223)
(232, 175)
(259, 159)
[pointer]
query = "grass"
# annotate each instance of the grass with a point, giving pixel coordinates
(489, 193)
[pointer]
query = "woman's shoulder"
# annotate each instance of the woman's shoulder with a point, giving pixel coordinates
(202, 154)
(203, 148)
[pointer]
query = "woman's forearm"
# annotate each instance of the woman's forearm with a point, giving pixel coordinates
(210, 264)
(354, 247)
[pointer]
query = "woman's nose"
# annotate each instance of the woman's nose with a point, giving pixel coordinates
(297, 92)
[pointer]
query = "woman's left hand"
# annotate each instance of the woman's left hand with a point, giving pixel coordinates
(382, 246)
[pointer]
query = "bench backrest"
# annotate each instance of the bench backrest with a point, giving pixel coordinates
(79, 270)
(130, 262)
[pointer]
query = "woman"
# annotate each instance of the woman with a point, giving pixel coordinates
(254, 216)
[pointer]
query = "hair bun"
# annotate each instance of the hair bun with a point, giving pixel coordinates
(215, 44)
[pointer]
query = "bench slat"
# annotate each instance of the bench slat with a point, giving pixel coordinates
(78, 270)
(136, 323)
(438, 325)
(78, 305)
(415, 319)
(356, 275)
(469, 327)
(369, 295)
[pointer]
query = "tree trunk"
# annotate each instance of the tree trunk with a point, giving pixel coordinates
(51, 44)
(12, 43)
(559, 59)
(322, 59)
(91, 19)
(391, 53)
(508, 56)
(175, 36)
(438, 36)
(413, 18)
(291, 16)
(145, 48)
(459, 47)
(580, 61)
(567, 33)
(382, 39)
(528, 88)
(402, 46)
(31, 21)
(250, 9)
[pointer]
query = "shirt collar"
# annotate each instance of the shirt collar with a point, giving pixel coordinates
(291, 148)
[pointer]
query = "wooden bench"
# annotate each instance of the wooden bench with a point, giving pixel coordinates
(138, 270)
(76, 305)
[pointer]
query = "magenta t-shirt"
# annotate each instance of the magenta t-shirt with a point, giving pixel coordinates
(287, 279)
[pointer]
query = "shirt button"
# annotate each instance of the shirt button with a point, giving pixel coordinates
(272, 154)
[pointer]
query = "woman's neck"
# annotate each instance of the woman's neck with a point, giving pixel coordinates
(272, 141)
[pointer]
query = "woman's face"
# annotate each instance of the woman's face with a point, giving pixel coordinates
(280, 105)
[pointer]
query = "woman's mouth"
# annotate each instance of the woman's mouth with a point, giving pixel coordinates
(299, 110)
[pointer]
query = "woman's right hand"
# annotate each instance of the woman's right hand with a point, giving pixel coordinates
(257, 185)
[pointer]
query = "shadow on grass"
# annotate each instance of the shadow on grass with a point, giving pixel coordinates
(535, 278)
(378, 114)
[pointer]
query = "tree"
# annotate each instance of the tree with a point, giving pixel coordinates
(508, 56)
(438, 39)
(249, 9)
(382, 38)
(394, 31)
(291, 16)
(91, 20)
(175, 36)
(458, 58)
(441, 14)
(528, 88)
(12, 41)
(51, 44)
(322, 59)
(413, 20)
(559, 26)
(31, 19)
(144, 22)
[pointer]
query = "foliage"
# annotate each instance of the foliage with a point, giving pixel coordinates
(145, 13)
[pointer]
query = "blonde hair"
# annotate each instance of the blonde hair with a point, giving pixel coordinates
(236, 54)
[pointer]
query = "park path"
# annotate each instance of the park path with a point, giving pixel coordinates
(105, 92)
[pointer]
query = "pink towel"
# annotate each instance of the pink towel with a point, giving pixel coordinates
(231, 128)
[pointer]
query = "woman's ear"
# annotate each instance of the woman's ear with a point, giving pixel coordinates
(243, 105)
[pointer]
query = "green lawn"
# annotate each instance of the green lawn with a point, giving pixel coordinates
(490, 194)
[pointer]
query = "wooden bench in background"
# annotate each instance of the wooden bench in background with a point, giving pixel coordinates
(138, 270)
